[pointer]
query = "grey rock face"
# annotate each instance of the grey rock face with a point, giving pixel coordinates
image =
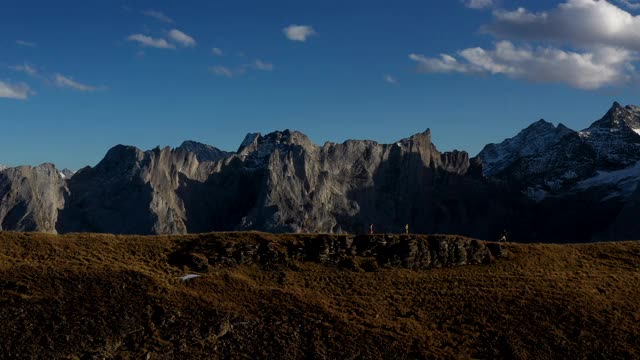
(282, 182)
(203, 152)
(131, 191)
(345, 187)
(30, 198)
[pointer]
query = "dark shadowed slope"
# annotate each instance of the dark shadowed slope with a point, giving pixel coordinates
(103, 296)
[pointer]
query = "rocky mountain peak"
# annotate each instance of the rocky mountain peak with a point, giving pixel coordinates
(619, 117)
(202, 151)
(534, 139)
(540, 125)
(121, 157)
(416, 141)
(249, 140)
(259, 146)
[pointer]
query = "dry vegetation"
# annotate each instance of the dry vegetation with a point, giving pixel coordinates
(84, 296)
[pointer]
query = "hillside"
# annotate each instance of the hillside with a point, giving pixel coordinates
(103, 296)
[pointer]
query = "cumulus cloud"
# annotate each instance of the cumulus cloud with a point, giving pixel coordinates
(158, 16)
(19, 91)
(68, 82)
(25, 43)
(583, 23)
(181, 38)
(600, 67)
(390, 79)
(298, 32)
(479, 4)
(217, 51)
(586, 44)
(148, 41)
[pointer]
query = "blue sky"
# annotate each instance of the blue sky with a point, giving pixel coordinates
(77, 77)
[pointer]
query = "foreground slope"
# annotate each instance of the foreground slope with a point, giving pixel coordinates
(102, 296)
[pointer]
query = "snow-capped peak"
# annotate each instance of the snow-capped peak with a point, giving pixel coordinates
(618, 117)
(535, 139)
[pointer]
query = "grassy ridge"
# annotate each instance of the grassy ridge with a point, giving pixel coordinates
(103, 296)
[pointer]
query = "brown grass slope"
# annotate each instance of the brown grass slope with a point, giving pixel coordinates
(84, 296)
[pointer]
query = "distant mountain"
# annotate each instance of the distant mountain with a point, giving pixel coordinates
(547, 183)
(535, 139)
(3, 167)
(558, 161)
(67, 174)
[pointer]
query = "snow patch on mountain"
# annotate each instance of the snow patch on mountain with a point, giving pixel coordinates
(3, 167)
(67, 174)
(625, 180)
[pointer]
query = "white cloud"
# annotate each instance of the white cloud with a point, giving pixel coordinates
(148, 41)
(158, 16)
(18, 91)
(479, 4)
(261, 65)
(217, 51)
(222, 71)
(600, 67)
(25, 68)
(25, 43)
(298, 32)
(583, 23)
(181, 38)
(68, 82)
(390, 79)
(444, 64)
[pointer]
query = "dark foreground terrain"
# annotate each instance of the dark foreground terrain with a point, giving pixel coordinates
(84, 296)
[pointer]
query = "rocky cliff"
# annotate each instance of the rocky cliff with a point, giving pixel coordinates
(547, 183)
(30, 198)
(282, 182)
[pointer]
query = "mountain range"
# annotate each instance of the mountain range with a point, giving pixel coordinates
(547, 183)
